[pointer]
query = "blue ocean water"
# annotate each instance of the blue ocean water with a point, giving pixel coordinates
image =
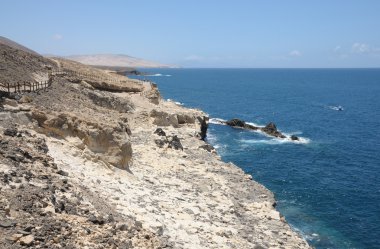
(327, 187)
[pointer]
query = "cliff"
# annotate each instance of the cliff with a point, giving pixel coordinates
(83, 166)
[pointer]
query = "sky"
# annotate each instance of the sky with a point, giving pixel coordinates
(203, 33)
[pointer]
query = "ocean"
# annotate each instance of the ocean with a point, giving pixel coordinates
(328, 185)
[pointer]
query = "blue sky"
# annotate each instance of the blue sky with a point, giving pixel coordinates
(213, 33)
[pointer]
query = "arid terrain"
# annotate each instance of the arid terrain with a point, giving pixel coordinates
(101, 161)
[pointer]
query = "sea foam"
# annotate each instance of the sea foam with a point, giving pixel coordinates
(158, 75)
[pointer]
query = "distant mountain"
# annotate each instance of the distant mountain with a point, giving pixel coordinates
(15, 45)
(116, 60)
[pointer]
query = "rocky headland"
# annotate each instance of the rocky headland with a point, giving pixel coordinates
(104, 162)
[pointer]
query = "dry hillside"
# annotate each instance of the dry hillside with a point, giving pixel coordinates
(18, 65)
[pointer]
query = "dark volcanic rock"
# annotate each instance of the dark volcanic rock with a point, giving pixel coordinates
(294, 138)
(12, 132)
(240, 124)
(62, 173)
(175, 143)
(204, 126)
(160, 132)
(271, 129)
(236, 122)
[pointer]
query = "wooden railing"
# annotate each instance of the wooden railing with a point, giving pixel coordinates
(25, 86)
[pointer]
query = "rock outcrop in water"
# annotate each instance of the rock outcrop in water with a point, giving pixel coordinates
(82, 167)
(269, 129)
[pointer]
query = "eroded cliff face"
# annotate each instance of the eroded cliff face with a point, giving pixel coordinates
(106, 156)
(109, 144)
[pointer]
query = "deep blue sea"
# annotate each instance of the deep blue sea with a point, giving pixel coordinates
(328, 186)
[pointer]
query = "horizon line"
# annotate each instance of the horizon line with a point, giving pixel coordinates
(181, 67)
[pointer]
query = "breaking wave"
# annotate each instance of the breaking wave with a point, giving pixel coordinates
(217, 121)
(336, 108)
(175, 102)
(287, 139)
(158, 75)
(275, 141)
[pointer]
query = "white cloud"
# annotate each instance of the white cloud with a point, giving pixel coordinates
(360, 48)
(57, 37)
(295, 53)
(337, 48)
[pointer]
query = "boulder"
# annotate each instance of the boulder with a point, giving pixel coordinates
(271, 129)
(185, 119)
(236, 122)
(27, 240)
(12, 132)
(294, 138)
(175, 143)
(164, 118)
(160, 132)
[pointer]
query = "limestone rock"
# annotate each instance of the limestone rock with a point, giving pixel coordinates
(27, 240)
(25, 99)
(153, 95)
(110, 143)
(10, 102)
(164, 119)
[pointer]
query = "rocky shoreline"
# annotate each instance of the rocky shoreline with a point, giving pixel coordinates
(83, 167)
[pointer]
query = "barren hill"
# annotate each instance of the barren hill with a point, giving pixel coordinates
(116, 60)
(15, 45)
(18, 63)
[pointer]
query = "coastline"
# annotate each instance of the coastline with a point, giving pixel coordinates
(179, 196)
